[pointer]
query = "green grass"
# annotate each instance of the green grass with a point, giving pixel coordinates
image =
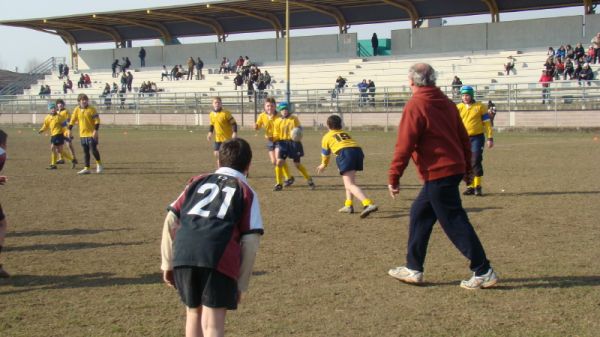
(84, 251)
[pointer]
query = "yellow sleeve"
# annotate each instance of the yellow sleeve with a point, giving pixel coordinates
(325, 150)
(212, 119)
(45, 125)
(296, 122)
(487, 126)
(259, 121)
(74, 116)
(276, 131)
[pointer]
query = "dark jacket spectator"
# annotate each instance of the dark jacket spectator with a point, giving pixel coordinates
(586, 74)
(129, 81)
(114, 66)
(238, 81)
(199, 66)
(374, 43)
(142, 55)
(191, 65)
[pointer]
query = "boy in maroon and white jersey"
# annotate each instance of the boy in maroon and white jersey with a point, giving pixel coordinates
(210, 238)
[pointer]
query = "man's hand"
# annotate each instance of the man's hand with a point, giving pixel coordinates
(95, 135)
(168, 278)
(321, 168)
(209, 136)
(394, 190)
(490, 143)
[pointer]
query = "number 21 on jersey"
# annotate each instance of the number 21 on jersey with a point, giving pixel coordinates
(204, 206)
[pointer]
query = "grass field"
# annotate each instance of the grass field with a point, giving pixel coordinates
(84, 250)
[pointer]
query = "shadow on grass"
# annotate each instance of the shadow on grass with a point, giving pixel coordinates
(147, 172)
(73, 231)
(540, 193)
(480, 209)
(69, 246)
(532, 282)
(93, 280)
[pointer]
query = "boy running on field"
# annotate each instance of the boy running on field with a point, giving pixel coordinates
(55, 122)
(222, 125)
(285, 147)
(349, 159)
(266, 120)
(63, 112)
(210, 238)
(89, 124)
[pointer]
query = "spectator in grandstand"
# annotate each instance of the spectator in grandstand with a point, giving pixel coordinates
(371, 88)
(164, 73)
(431, 132)
(250, 91)
(477, 122)
(374, 43)
(585, 75)
(560, 52)
(87, 81)
(545, 80)
(124, 78)
(362, 88)
(81, 82)
(491, 111)
(569, 51)
(199, 66)
(579, 51)
(247, 63)
(509, 65)
(208, 253)
(174, 72)
(3, 179)
(60, 71)
(67, 85)
(106, 90)
(191, 64)
(591, 53)
(115, 88)
(114, 66)
(238, 81)
(65, 71)
(456, 84)
(596, 45)
(550, 51)
(225, 66)
(239, 64)
(89, 124)
(569, 69)
(549, 65)
(142, 56)
(349, 158)
(106, 94)
(129, 81)
(44, 90)
(126, 64)
(578, 68)
(267, 79)
(340, 84)
(559, 68)
(222, 125)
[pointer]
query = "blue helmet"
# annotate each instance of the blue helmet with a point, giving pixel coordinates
(51, 105)
(467, 89)
(283, 106)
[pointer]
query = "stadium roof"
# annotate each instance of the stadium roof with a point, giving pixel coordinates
(222, 18)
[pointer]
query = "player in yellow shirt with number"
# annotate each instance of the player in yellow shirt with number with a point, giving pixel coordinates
(477, 121)
(222, 125)
(62, 111)
(89, 124)
(54, 123)
(286, 147)
(265, 121)
(349, 158)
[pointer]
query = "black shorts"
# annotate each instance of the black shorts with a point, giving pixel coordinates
(2, 216)
(88, 141)
(57, 140)
(205, 286)
(217, 146)
(290, 149)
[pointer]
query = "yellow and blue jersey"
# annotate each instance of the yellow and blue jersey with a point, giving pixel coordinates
(87, 119)
(222, 122)
(476, 119)
(54, 123)
(266, 122)
(334, 141)
(67, 116)
(283, 126)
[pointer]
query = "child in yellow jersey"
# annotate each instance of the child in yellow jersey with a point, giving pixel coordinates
(222, 125)
(478, 123)
(89, 124)
(265, 120)
(349, 159)
(285, 147)
(54, 122)
(62, 111)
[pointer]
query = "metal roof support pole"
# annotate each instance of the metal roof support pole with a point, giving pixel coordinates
(74, 56)
(493, 6)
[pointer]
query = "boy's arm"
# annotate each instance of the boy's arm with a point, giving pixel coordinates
(166, 247)
(250, 243)
(44, 126)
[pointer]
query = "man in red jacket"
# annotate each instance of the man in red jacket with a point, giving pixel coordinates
(432, 133)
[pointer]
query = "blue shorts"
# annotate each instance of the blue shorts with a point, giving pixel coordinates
(217, 146)
(88, 141)
(350, 159)
(291, 149)
(57, 140)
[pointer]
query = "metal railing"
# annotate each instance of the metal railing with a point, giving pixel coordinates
(36, 74)
(565, 103)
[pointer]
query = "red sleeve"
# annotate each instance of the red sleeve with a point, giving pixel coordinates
(409, 132)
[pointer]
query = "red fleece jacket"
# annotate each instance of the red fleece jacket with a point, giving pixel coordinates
(432, 133)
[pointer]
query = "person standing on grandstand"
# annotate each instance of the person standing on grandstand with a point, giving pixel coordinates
(63, 112)
(199, 66)
(349, 158)
(596, 44)
(191, 65)
(477, 121)
(55, 124)
(210, 238)
(3, 223)
(432, 133)
(222, 125)
(142, 55)
(114, 66)
(374, 43)
(89, 124)
(286, 147)
(545, 80)
(266, 121)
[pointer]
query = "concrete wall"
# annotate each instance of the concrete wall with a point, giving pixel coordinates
(449, 38)
(535, 33)
(265, 50)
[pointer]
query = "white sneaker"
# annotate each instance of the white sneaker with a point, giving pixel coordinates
(486, 280)
(368, 210)
(346, 209)
(84, 171)
(99, 169)
(406, 275)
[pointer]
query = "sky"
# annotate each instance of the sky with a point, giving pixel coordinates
(26, 47)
